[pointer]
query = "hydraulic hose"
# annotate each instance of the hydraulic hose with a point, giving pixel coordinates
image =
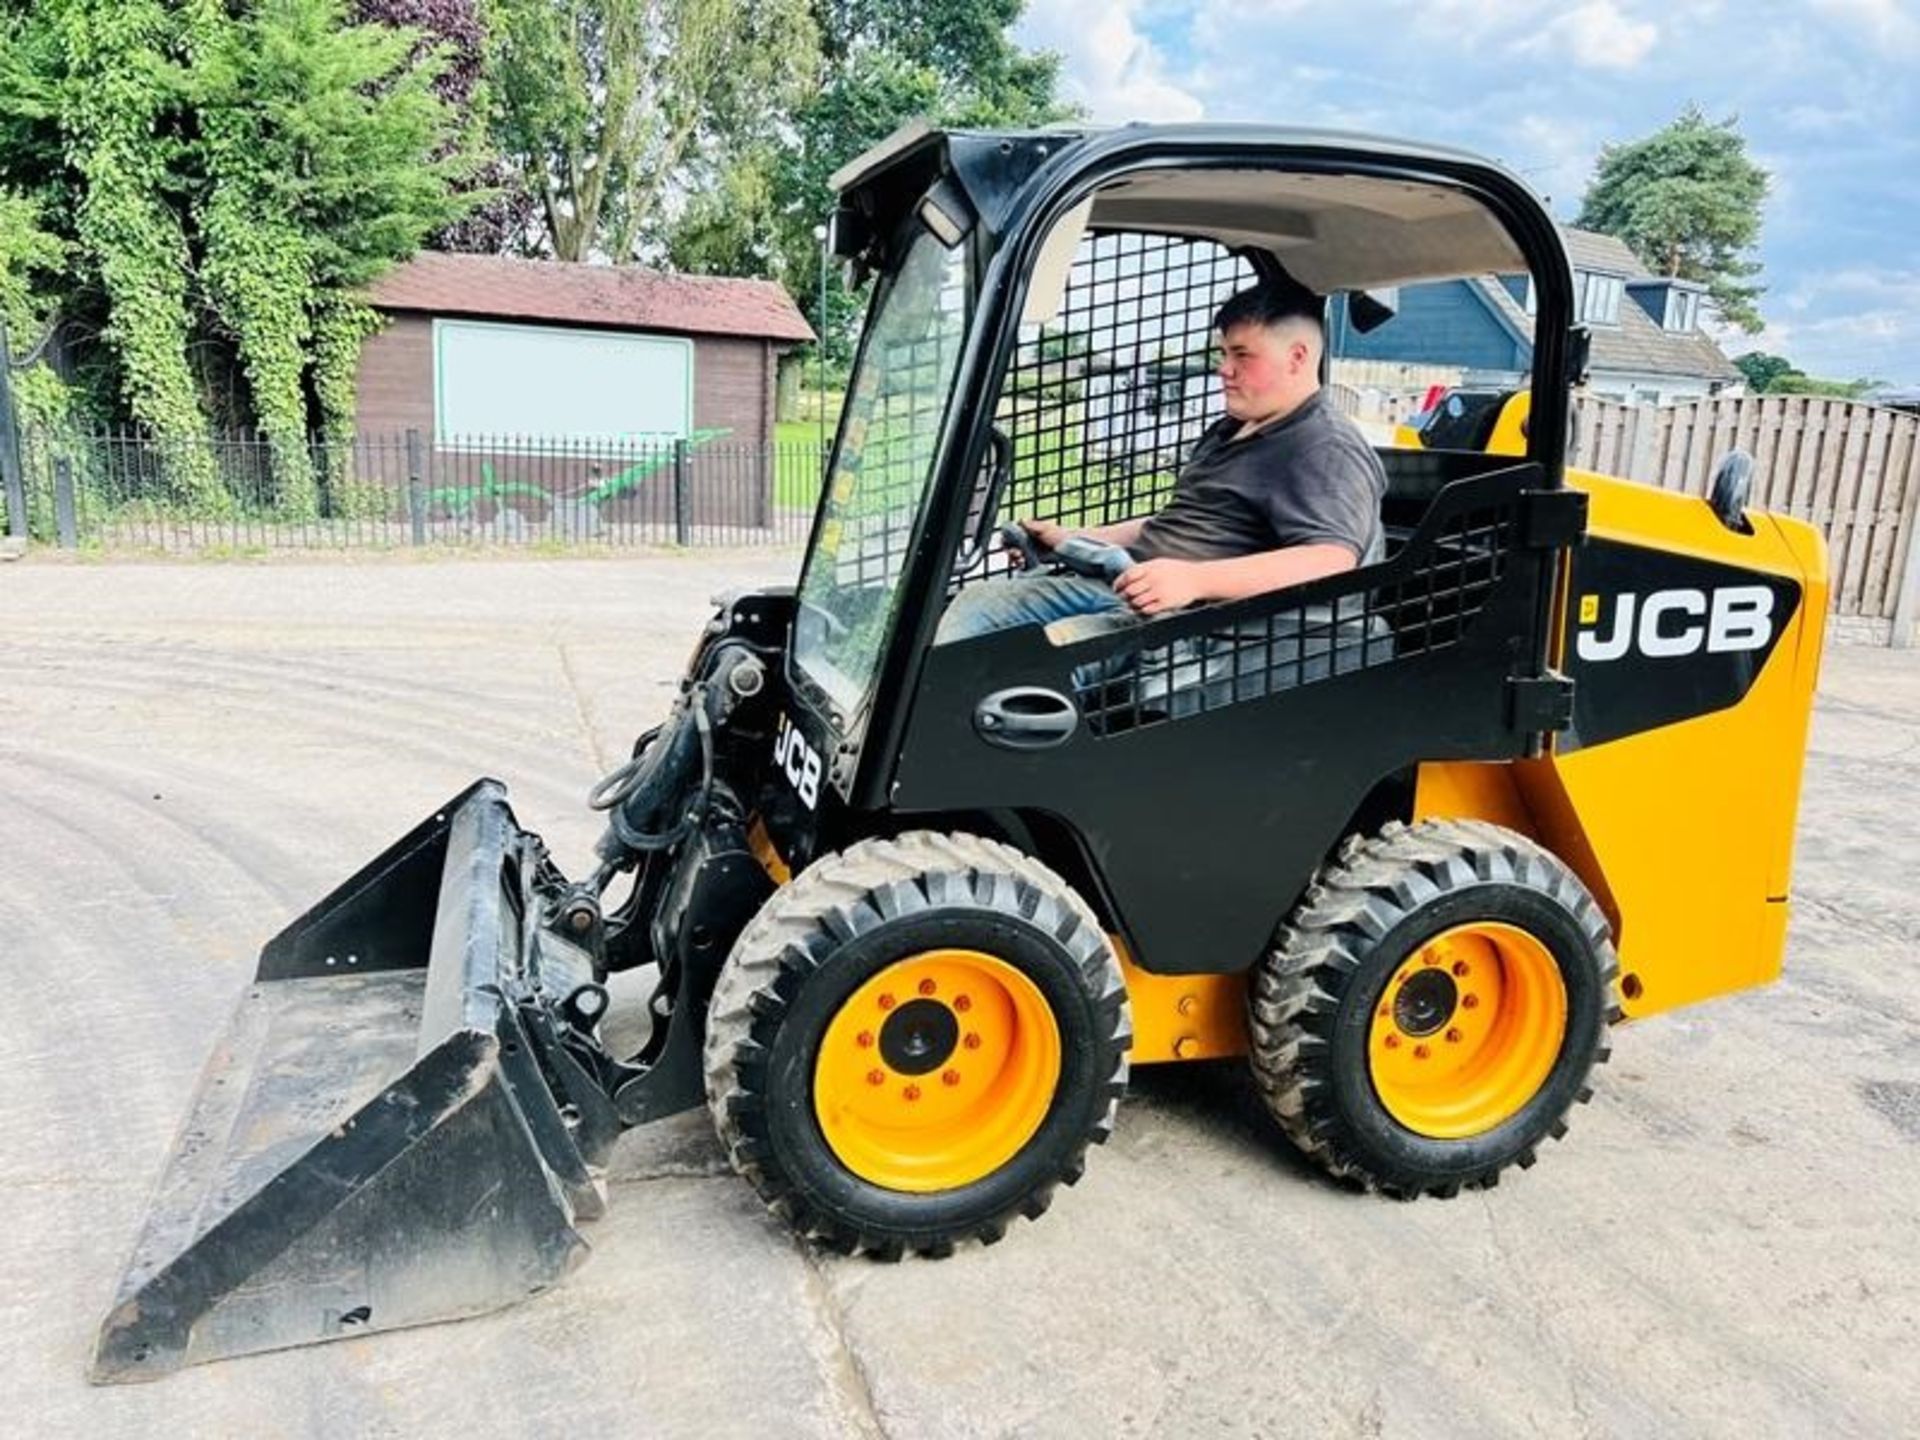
(653, 800)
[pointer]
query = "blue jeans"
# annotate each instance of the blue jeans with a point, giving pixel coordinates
(1071, 606)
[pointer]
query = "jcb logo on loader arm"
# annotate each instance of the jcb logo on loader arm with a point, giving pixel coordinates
(1668, 624)
(798, 761)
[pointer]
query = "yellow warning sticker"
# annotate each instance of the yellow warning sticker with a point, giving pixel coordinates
(1589, 609)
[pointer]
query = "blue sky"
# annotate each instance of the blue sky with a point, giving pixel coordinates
(1827, 93)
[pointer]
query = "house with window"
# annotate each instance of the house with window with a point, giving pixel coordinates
(1648, 345)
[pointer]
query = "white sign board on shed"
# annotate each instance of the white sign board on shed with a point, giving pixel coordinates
(493, 381)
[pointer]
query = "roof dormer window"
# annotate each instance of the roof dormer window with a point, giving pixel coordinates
(1597, 297)
(1672, 304)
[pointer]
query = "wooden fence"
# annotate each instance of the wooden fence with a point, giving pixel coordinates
(1851, 470)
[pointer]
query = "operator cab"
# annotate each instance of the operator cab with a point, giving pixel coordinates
(1054, 359)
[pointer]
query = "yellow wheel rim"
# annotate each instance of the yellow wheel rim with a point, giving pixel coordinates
(1467, 1030)
(936, 1071)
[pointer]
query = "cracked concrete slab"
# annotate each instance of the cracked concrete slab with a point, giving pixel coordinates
(190, 754)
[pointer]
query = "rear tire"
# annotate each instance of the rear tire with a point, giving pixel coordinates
(914, 1042)
(1433, 1008)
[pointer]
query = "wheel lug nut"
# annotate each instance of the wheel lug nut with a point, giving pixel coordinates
(1461, 969)
(1453, 1037)
(1469, 1002)
(864, 1039)
(1392, 1042)
(1386, 1012)
(949, 1077)
(972, 1042)
(927, 987)
(1429, 959)
(886, 1002)
(1420, 1052)
(876, 1077)
(912, 1092)
(963, 1003)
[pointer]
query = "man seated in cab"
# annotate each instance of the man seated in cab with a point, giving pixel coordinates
(1284, 489)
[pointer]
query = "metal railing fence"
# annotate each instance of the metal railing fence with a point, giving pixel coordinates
(120, 490)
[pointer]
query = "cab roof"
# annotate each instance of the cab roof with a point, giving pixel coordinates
(1341, 211)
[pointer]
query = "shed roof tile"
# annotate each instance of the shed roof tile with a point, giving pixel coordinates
(626, 297)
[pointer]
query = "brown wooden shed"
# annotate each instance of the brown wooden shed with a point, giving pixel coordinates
(448, 315)
(529, 379)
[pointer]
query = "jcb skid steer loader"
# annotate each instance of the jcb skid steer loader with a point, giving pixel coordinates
(1408, 838)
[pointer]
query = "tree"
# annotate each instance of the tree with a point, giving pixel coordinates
(504, 216)
(1777, 375)
(1762, 369)
(221, 180)
(1797, 382)
(32, 259)
(29, 256)
(881, 64)
(323, 155)
(1687, 200)
(96, 87)
(603, 105)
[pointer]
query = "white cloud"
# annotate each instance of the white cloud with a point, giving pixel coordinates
(1810, 119)
(1554, 153)
(1858, 320)
(1478, 17)
(1224, 25)
(1598, 35)
(1887, 24)
(1107, 64)
(1824, 90)
(1593, 34)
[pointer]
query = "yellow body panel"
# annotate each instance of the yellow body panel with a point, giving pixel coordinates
(1509, 435)
(1684, 831)
(1183, 1017)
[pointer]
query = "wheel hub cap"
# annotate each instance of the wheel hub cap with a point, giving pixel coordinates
(936, 1071)
(1425, 1003)
(919, 1037)
(1467, 1030)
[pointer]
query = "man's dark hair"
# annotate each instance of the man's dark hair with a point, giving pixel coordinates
(1269, 303)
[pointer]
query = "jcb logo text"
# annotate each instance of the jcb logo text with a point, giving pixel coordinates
(798, 761)
(1671, 623)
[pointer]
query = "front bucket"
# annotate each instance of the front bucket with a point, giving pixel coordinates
(372, 1144)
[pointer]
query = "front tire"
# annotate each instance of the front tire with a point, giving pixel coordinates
(915, 1042)
(1433, 1008)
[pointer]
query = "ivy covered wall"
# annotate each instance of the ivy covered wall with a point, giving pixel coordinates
(195, 190)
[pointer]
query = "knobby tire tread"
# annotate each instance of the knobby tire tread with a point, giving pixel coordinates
(1371, 884)
(841, 895)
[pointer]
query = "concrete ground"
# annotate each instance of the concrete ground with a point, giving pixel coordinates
(191, 754)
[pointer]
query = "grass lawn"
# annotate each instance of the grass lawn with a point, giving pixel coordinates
(798, 458)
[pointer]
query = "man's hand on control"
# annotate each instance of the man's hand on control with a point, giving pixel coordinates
(1046, 533)
(1155, 586)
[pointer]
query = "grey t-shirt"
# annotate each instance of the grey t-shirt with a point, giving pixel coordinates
(1310, 479)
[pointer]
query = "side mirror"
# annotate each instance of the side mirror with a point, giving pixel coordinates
(1579, 355)
(1368, 310)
